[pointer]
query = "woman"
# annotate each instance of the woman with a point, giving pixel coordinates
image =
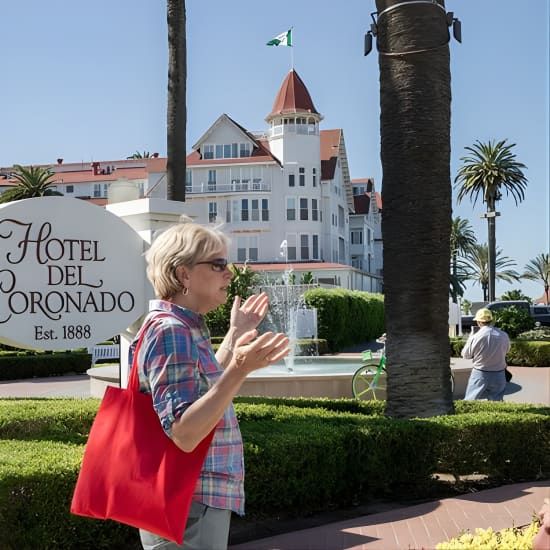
(192, 389)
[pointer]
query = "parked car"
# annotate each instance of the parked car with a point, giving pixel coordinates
(539, 313)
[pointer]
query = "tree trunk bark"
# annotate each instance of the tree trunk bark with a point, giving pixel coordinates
(177, 108)
(415, 100)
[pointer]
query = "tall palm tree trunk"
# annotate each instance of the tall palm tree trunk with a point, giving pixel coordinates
(491, 243)
(177, 109)
(416, 220)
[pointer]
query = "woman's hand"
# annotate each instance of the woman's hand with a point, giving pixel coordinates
(249, 315)
(542, 538)
(253, 353)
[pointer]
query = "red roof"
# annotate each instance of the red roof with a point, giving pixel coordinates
(293, 97)
(260, 154)
(330, 146)
(361, 203)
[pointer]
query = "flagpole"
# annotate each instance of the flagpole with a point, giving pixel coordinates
(292, 50)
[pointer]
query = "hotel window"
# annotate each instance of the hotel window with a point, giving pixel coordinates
(341, 217)
(228, 211)
(234, 150)
(314, 176)
(290, 208)
(253, 248)
(244, 210)
(356, 237)
(245, 150)
(236, 211)
(241, 249)
(208, 152)
(291, 180)
(304, 247)
(227, 151)
(369, 236)
(303, 209)
(247, 249)
(302, 177)
(245, 177)
(314, 210)
(212, 211)
(219, 151)
(291, 247)
(254, 210)
(69, 188)
(97, 190)
(105, 189)
(315, 247)
(265, 210)
(256, 178)
(211, 180)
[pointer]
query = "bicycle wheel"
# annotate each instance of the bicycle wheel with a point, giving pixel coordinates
(369, 382)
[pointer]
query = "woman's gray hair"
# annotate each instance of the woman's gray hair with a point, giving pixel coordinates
(185, 243)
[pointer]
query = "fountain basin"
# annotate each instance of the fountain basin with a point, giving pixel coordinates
(324, 376)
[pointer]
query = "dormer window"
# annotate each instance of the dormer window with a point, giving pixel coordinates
(245, 150)
(208, 152)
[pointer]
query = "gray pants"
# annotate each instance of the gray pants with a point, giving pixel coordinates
(207, 529)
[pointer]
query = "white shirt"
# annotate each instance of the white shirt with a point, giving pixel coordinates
(487, 348)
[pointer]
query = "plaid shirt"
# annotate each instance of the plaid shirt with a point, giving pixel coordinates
(176, 366)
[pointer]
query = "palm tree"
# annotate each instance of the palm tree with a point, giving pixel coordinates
(477, 268)
(32, 181)
(177, 109)
(140, 155)
(487, 170)
(538, 269)
(415, 100)
(462, 240)
(515, 294)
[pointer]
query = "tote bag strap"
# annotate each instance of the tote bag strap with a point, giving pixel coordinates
(133, 380)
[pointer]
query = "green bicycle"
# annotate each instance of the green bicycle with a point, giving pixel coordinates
(369, 381)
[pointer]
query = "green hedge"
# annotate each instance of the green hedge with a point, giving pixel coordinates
(522, 352)
(346, 317)
(302, 456)
(31, 364)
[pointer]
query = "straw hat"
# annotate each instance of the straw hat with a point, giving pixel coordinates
(483, 315)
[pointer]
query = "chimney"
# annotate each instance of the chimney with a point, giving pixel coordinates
(59, 161)
(155, 155)
(95, 168)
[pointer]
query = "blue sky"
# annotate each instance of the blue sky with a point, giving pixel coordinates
(87, 81)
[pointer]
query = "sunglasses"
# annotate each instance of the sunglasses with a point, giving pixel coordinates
(218, 264)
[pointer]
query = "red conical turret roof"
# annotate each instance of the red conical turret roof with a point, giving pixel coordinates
(293, 97)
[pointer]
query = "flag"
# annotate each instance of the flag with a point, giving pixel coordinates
(283, 39)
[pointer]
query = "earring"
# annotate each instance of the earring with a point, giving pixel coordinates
(185, 291)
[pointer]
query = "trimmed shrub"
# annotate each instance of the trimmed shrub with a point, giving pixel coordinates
(28, 364)
(513, 320)
(346, 317)
(301, 455)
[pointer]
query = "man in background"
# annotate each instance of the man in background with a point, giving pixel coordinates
(487, 348)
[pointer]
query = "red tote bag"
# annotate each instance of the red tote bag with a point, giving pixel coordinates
(132, 472)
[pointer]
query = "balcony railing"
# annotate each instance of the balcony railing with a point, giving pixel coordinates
(234, 187)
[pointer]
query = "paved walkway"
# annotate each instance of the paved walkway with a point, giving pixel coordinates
(420, 526)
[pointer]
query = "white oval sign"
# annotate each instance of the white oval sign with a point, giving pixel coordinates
(71, 274)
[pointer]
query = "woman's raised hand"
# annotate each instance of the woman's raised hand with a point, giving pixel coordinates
(253, 353)
(250, 314)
